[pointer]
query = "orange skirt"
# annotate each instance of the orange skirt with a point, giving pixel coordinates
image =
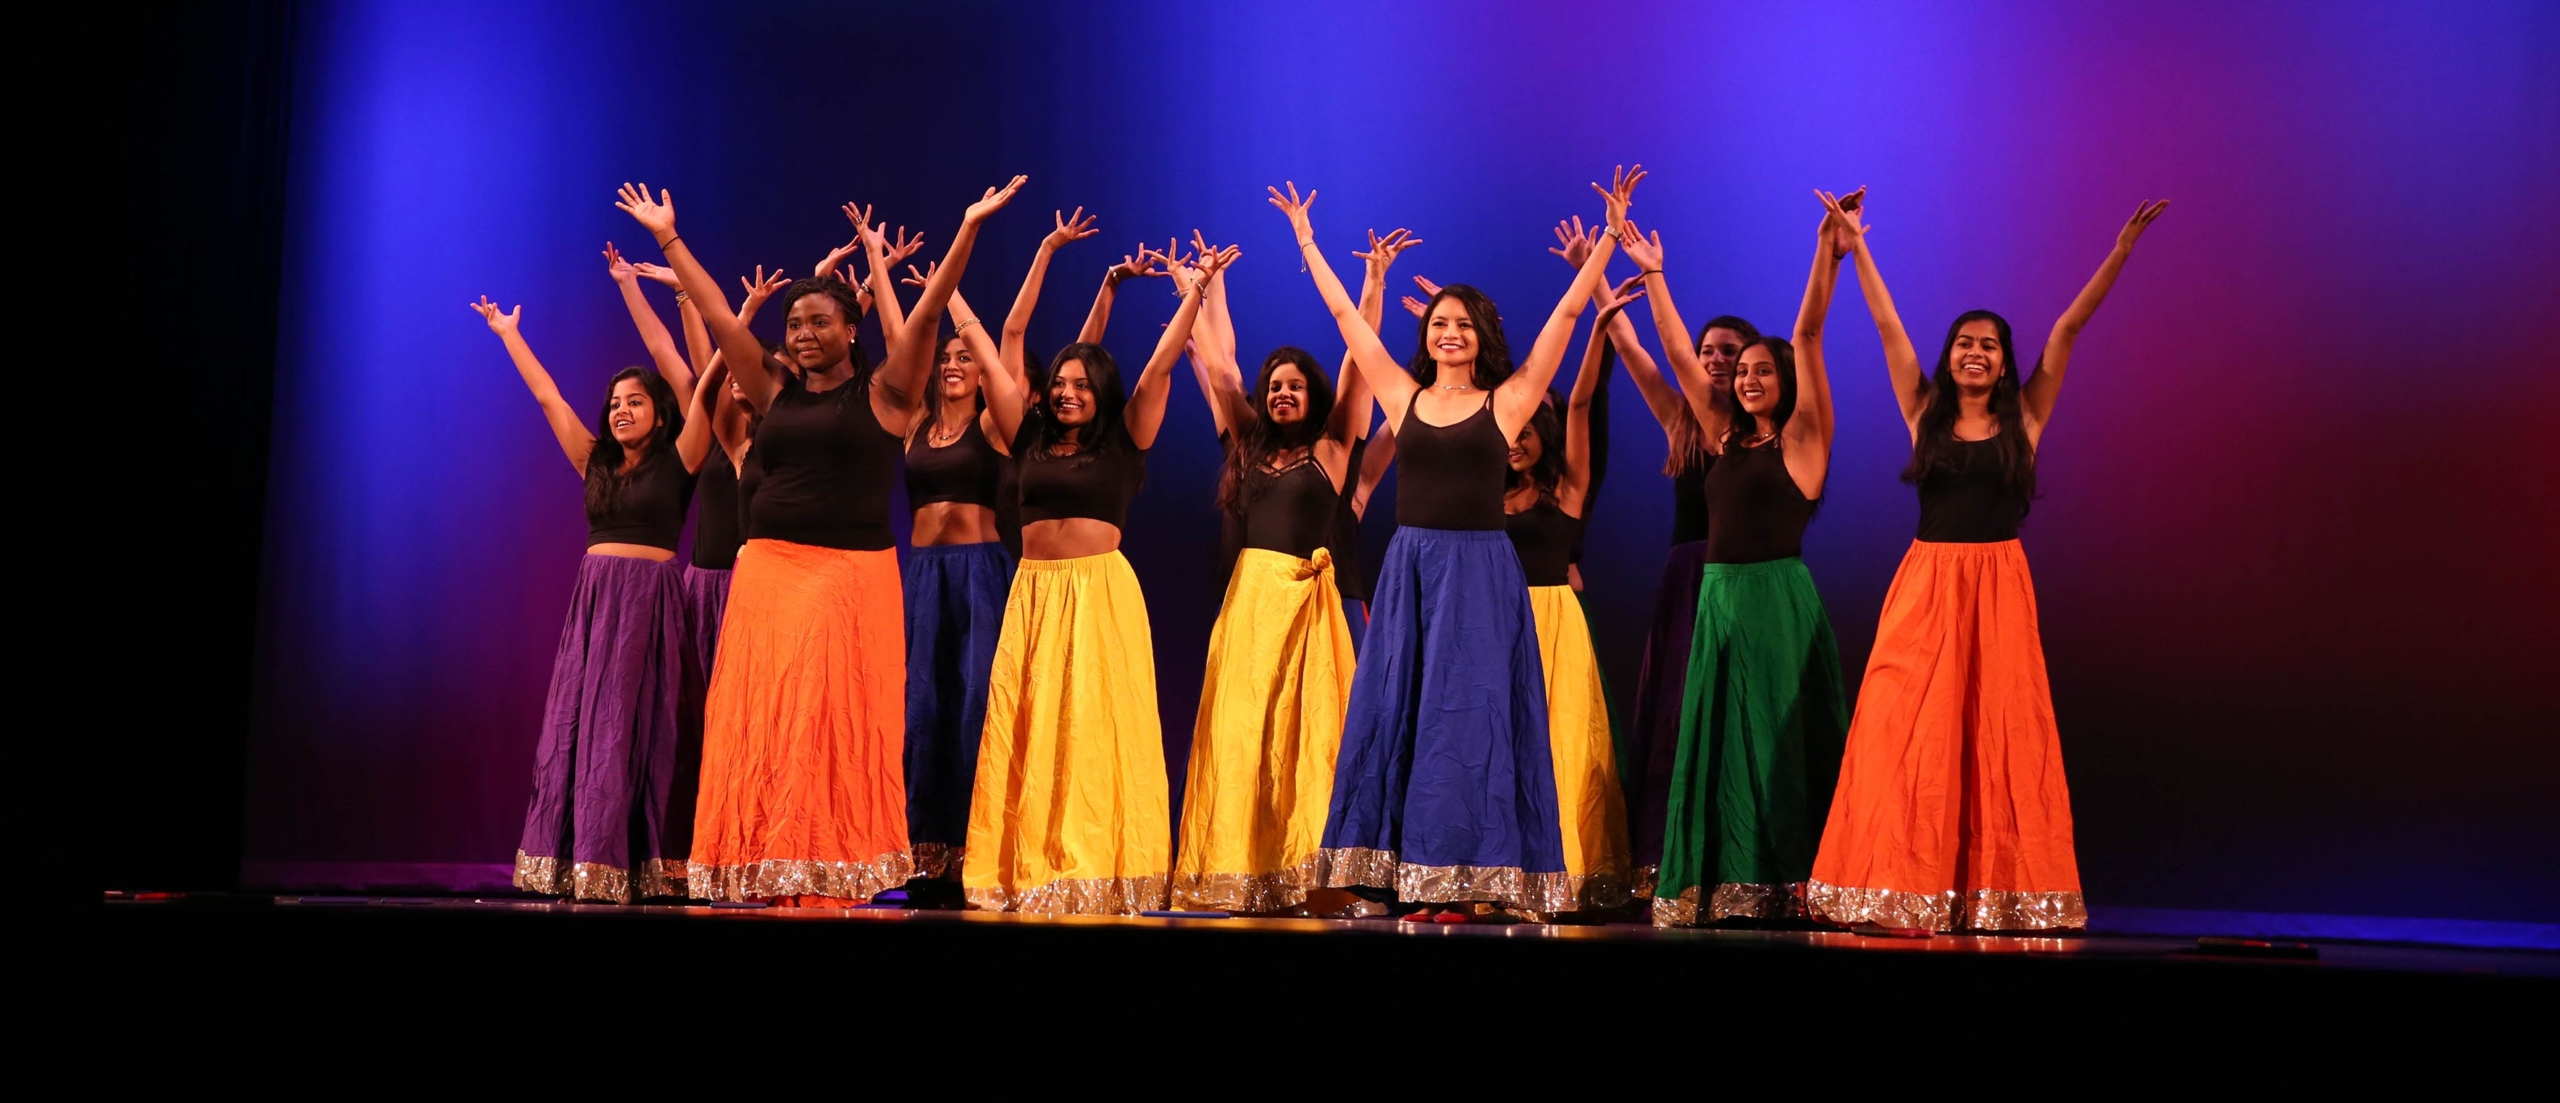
(804, 793)
(1952, 809)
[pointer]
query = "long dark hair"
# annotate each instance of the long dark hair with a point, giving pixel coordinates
(605, 477)
(1547, 474)
(1255, 442)
(1102, 374)
(1688, 438)
(1493, 352)
(1744, 425)
(933, 388)
(1934, 448)
(849, 303)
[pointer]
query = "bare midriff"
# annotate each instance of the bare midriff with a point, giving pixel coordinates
(944, 524)
(631, 551)
(1069, 538)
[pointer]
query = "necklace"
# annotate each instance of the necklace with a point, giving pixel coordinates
(938, 438)
(1453, 386)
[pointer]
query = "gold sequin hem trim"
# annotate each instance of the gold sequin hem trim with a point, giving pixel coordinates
(1978, 910)
(1345, 867)
(1644, 881)
(1097, 896)
(1244, 892)
(582, 880)
(800, 877)
(1731, 900)
(939, 861)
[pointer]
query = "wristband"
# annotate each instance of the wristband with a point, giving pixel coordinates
(1649, 272)
(662, 246)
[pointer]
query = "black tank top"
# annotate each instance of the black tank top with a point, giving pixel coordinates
(1096, 482)
(1689, 501)
(1758, 512)
(1349, 573)
(1452, 477)
(1291, 511)
(1967, 502)
(1009, 503)
(647, 509)
(716, 514)
(965, 470)
(750, 479)
(1544, 536)
(827, 466)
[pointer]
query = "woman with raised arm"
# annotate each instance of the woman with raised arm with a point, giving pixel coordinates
(605, 762)
(1764, 713)
(1952, 810)
(1545, 505)
(1069, 814)
(803, 800)
(1280, 656)
(1068, 230)
(1444, 791)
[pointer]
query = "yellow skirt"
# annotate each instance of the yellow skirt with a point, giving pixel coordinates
(1271, 706)
(1069, 812)
(1588, 802)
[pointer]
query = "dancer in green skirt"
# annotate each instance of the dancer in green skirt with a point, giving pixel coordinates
(1763, 717)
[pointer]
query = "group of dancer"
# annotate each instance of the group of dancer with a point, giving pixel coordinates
(795, 716)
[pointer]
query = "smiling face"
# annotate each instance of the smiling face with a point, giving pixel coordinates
(1720, 350)
(1450, 333)
(630, 414)
(816, 335)
(955, 371)
(1527, 449)
(1071, 399)
(1977, 359)
(1286, 399)
(1755, 381)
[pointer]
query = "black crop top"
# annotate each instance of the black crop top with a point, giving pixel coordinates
(1968, 502)
(716, 516)
(1096, 482)
(965, 470)
(1689, 501)
(1544, 535)
(1757, 511)
(647, 509)
(1453, 474)
(827, 466)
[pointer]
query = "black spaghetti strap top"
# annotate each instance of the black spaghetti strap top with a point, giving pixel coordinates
(965, 470)
(827, 466)
(1350, 574)
(1544, 535)
(1291, 511)
(716, 515)
(1758, 513)
(1453, 474)
(1689, 501)
(1968, 502)
(1095, 482)
(648, 508)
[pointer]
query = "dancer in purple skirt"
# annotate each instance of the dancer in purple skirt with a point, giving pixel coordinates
(606, 759)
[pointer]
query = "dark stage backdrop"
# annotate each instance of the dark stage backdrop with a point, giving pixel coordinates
(2296, 548)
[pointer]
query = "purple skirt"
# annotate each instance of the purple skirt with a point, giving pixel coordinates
(604, 767)
(706, 603)
(1652, 741)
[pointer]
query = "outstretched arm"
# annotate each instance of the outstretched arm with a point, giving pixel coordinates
(1003, 391)
(1017, 322)
(653, 329)
(1098, 320)
(1374, 461)
(1901, 362)
(2038, 392)
(756, 375)
(901, 378)
(1394, 386)
(1578, 473)
(573, 436)
(1518, 397)
(1574, 244)
(694, 441)
(1144, 415)
(1350, 421)
(1677, 345)
(1806, 438)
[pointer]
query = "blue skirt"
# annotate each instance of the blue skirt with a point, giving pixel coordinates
(955, 611)
(1445, 788)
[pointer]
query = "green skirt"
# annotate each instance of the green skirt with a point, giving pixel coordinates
(1762, 723)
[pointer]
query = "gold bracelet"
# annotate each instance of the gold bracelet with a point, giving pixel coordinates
(963, 327)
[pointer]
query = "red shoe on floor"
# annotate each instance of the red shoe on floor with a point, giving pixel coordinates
(1452, 915)
(1419, 915)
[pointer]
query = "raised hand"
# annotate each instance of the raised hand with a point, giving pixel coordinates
(658, 273)
(1138, 265)
(2142, 218)
(859, 215)
(1620, 194)
(1573, 242)
(1619, 298)
(499, 323)
(616, 267)
(761, 288)
(838, 255)
(915, 278)
(993, 201)
(1071, 228)
(1428, 288)
(1210, 262)
(1382, 251)
(658, 215)
(902, 247)
(1415, 305)
(1645, 251)
(1296, 209)
(1841, 221)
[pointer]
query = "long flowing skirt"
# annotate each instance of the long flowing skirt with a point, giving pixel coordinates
(706, 599)
(605, 762)
(1445, 788)
(1952, 809)
(955, 609)
(802, 797)
(1070, 810)
(1592, 808)
(1759, 750)
(1653, 733)
(1262, 750)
